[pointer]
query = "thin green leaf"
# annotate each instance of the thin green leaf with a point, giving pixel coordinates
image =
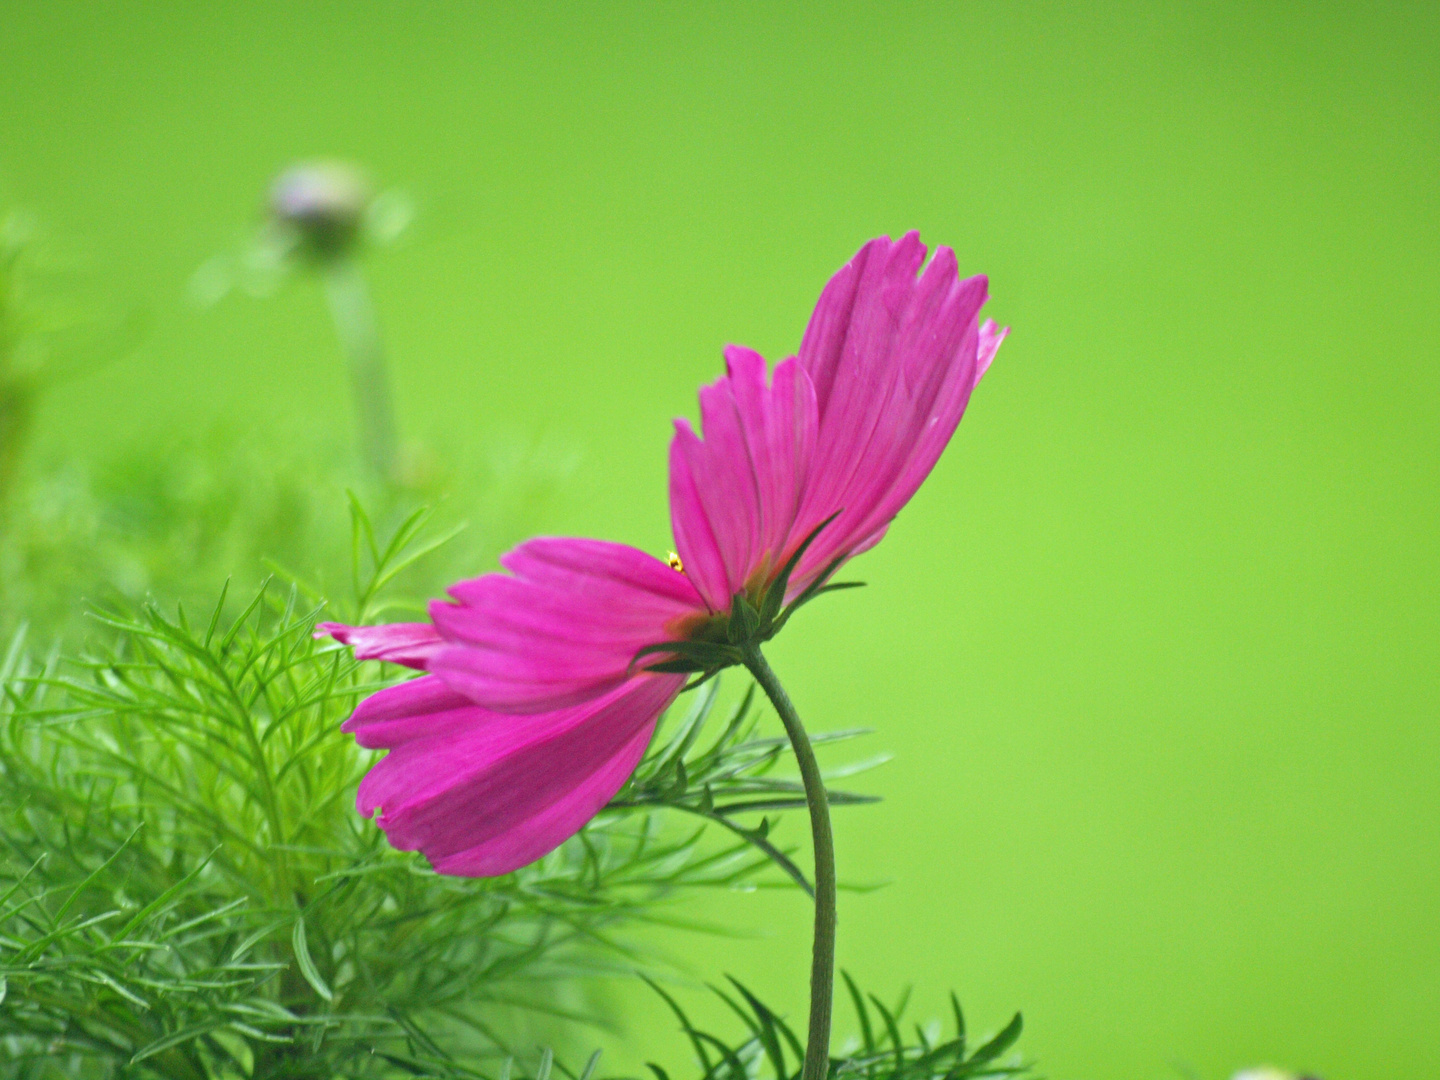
(1006, 1038)
(175, 1039)
(867, 1034)
(306, 964)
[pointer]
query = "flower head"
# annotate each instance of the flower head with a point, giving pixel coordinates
(545, 682)
(324, 203)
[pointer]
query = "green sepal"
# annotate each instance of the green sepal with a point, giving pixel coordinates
(811, 591)
(677, 667)
(838, 585)
(701, 655)
(775, 595)
(744, 620)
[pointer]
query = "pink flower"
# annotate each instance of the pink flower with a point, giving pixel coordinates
(542, 691)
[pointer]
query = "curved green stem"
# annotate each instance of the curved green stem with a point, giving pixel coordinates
(822, 962)
(354, 318)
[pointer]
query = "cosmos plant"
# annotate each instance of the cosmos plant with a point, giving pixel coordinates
(543, 683)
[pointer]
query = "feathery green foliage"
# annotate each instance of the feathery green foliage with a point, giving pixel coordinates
(733, 777)
(188, 892)
(771, 1049)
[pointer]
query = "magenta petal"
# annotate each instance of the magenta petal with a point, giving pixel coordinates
(563, 627)
(867, 404)
(410, 644)
(932, 438)
(886, 475)
(824, 342)
(488, 792)
(893, 357)
(695, 536)
(844, 433)
(561, 560)
(734, 495)
(990, 339)
(779, 421)
(940, 426)
(397, 714)
(556, 823)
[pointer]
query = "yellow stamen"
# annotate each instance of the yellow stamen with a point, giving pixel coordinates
(675, 563)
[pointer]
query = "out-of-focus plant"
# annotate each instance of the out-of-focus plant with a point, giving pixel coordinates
(47, 334)
(172, 513)
(171, 516)
(186, 891)
(322, 216)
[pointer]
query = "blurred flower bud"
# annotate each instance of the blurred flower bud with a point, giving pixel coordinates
(324, 204)
(319, 214)
(1268, 1072)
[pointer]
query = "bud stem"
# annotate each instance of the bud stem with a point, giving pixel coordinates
(822, 964)
(354, 317)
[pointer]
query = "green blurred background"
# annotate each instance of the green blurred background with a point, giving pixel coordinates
(1155, 648)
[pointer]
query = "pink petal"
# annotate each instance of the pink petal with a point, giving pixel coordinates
(733, 496)
(917, 417)
(893, 358)
(990, 339)
(824, 341)
(938, 430)
(486, 792)
(411, 710)
(410, 644)
(561, 628)
(780, 424)
(556, 823)
(848, 430)
(695, 536)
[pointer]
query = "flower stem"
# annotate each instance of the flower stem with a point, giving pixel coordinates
(822, 962)
(354, 318)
